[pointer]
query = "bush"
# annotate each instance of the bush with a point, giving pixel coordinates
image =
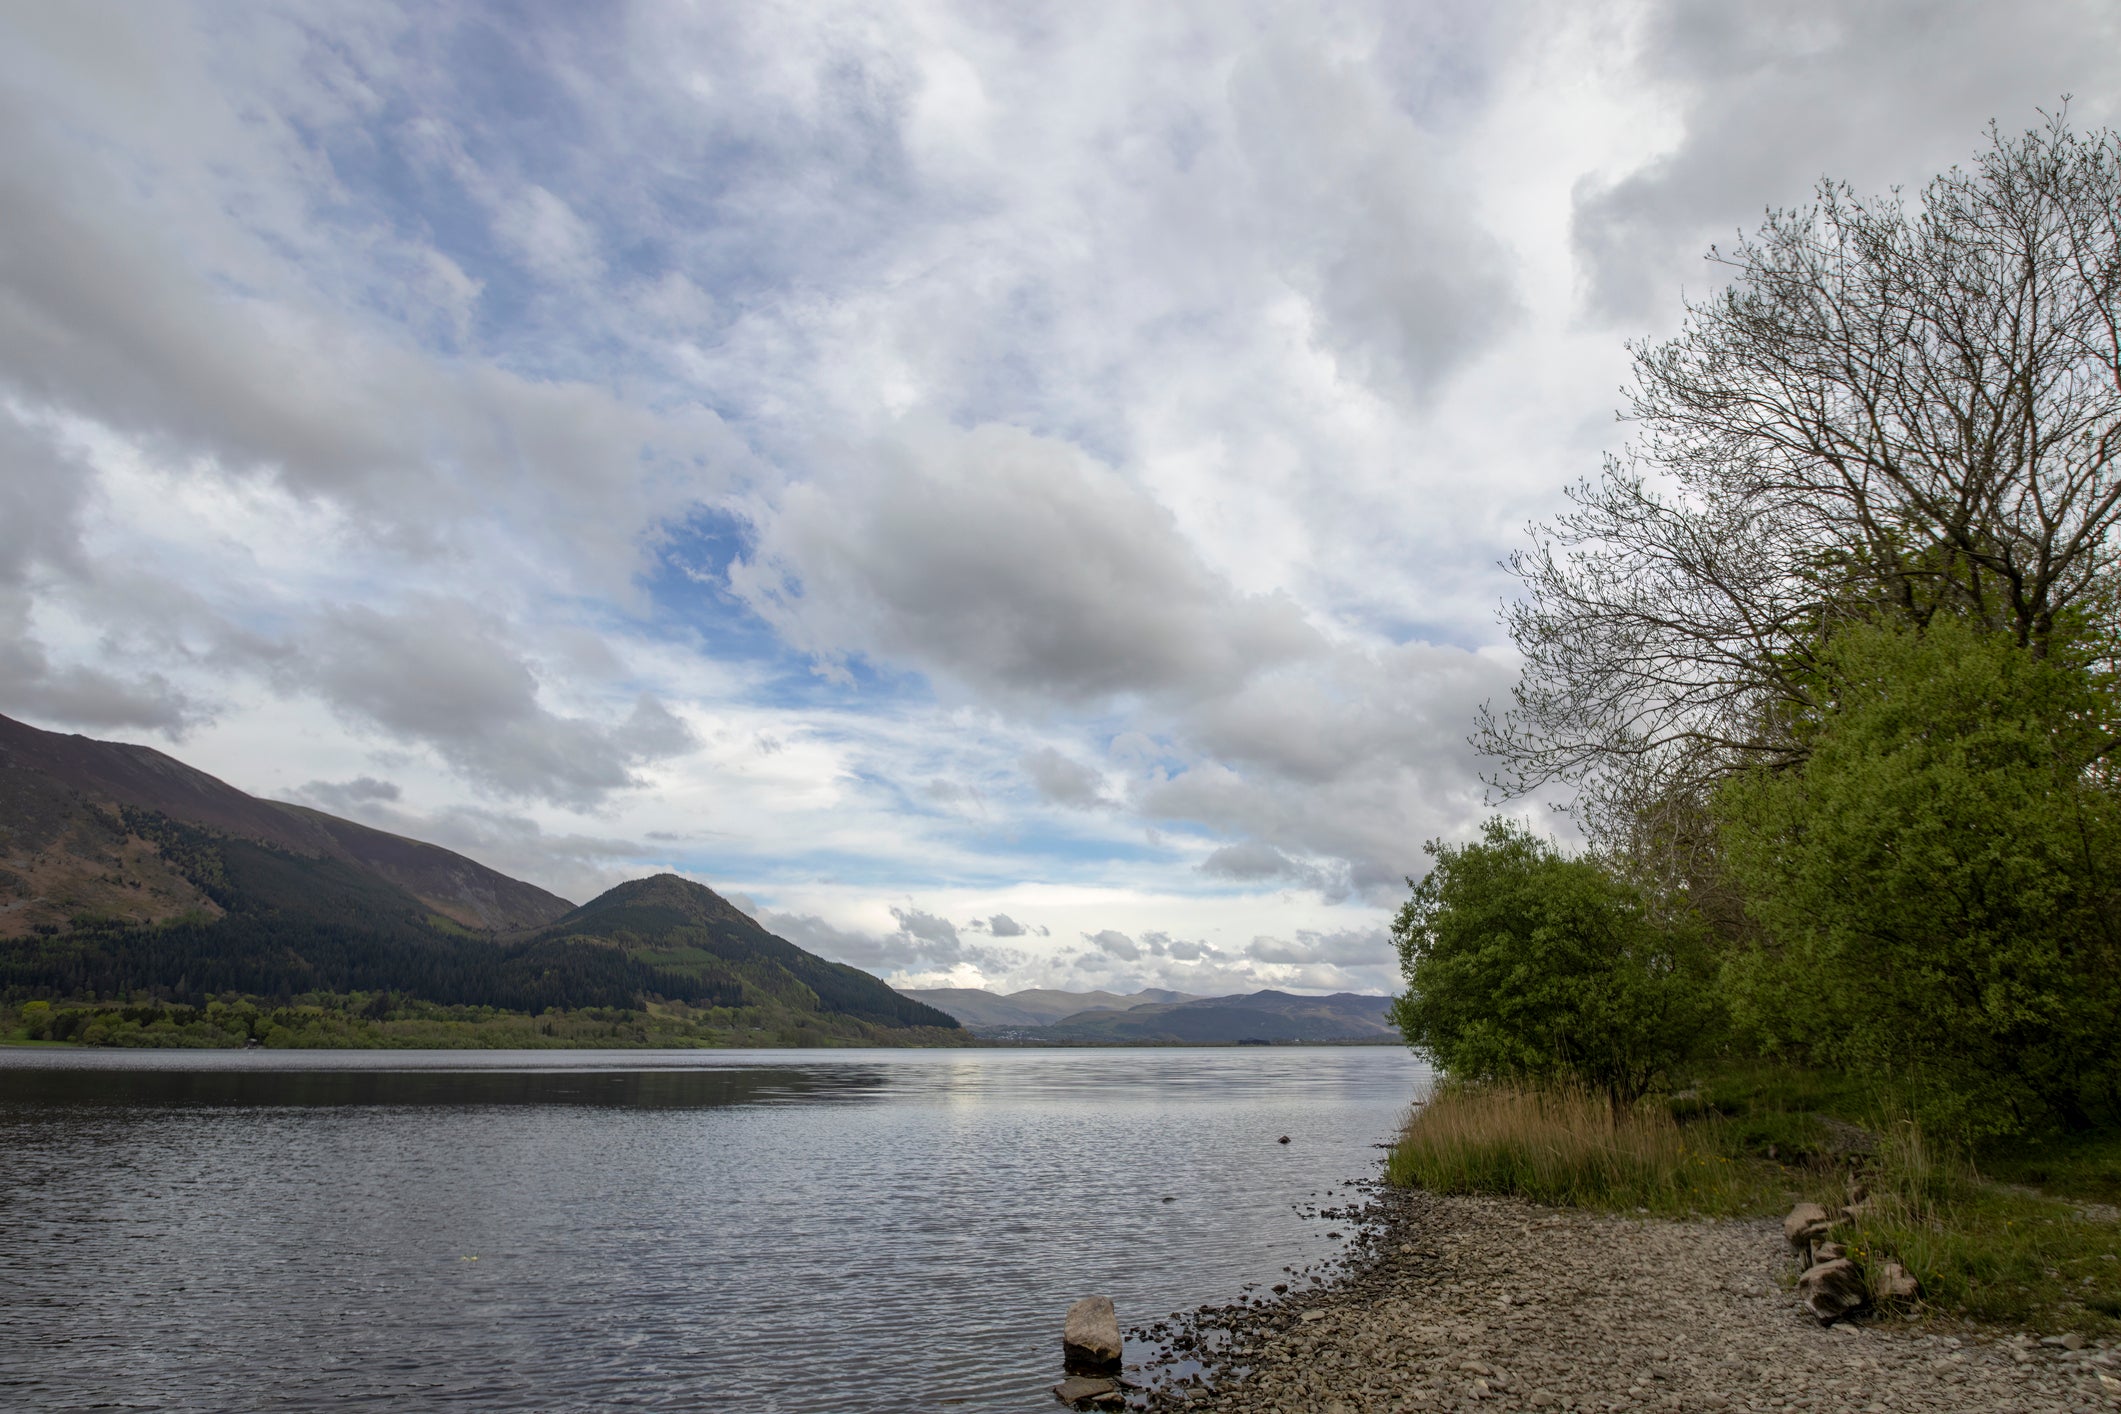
(1522, 964)
(1936, 883)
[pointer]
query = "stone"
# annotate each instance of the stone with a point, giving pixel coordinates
(1829, 1252)
(1088, 1392)
(1806, 1224)
(2071, 1341)
(1314, 1315)
(1832, 1289)
(1090, 1343)
(1897, 1283)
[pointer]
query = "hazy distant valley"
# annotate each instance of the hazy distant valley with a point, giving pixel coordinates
(1155, 1017)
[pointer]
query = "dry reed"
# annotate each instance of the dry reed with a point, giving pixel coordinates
(1568, 1146)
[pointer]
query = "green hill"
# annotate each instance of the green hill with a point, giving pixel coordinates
(127, 877)
(684, 929)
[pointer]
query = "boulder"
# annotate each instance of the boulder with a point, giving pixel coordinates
(1828, 1252)
(1806, 1224)
(1832, 1289)
(1090, 1343)
(1897, 1283)
(1089, 1392)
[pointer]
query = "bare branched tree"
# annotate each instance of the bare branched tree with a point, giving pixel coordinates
(1887, 411)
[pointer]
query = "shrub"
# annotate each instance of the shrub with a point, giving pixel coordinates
(1522, 964)
(1936, 883)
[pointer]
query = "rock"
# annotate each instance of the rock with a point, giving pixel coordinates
(1806, 1224)
(1829, 1252)
(1283, 1140)
(1088, 1392)
(1897, 1283)
(1858, 1191)
(2071, 1341)
(1090, 1343)
(1832, 1289)
(1314, 1315)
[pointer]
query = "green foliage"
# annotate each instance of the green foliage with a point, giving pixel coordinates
(1936, 885)
(1524, 964)
(380, 1020)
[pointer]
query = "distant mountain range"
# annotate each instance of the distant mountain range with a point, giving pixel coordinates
(1164, 1018)
(124, 872)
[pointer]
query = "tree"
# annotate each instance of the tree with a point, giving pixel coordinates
(1524, 964)
(1889, 412)
(1936, 884)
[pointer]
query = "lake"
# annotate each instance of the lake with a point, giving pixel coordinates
(758, 1230)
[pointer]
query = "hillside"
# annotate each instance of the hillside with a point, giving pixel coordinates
(685, 929)
(126, 875)
(67, 849)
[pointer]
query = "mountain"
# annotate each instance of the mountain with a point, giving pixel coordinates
(1259, 1016)
(125, 872)
(64, 835)
(1037, 1006)
(685, 929)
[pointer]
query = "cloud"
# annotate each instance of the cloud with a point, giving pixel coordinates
(338, 797)
(1011, 563)
(1061, 780)
(1114, 943)
(1003, 926)
(442, 673)
(1772, 98)
(923, 942)
(573, 865)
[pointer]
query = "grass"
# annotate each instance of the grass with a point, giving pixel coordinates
(1568, 1147)
(2018, 1240)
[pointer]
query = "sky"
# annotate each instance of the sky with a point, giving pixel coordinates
(1011, 494)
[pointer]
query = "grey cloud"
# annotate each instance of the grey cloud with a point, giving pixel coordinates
(74, 695)
(1352, 947)
(1115, 943)
(1774, 97)
(926, 926)
(339, 797)
(923, 942)
(1252, 861)
(1377, 227)
(1003, 926)
(1010, 562)
(443, 674)
(1061, 780)
(574, 866)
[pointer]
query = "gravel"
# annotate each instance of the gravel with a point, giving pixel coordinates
(1493, 1304)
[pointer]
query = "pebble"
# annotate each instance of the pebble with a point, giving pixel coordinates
(1629, 1314)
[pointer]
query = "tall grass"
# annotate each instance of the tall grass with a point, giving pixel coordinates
(1567, 1146)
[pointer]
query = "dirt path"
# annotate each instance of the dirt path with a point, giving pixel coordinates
(1491, 1304)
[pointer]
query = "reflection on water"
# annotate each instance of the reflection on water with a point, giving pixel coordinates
(765, 1230)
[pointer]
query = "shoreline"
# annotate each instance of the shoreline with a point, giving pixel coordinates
(1447, 1302)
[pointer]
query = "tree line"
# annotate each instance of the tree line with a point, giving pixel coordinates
(1827, 663)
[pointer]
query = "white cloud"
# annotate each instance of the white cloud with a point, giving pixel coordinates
(1124, 416)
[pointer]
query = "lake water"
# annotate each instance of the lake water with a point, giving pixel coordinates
(760, 1231)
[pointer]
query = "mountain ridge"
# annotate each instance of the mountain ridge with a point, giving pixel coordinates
(122, 774)
(126, 873)
(1267, 1015)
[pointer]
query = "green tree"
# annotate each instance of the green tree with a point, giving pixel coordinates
(1522, 963)
(1935, 884)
